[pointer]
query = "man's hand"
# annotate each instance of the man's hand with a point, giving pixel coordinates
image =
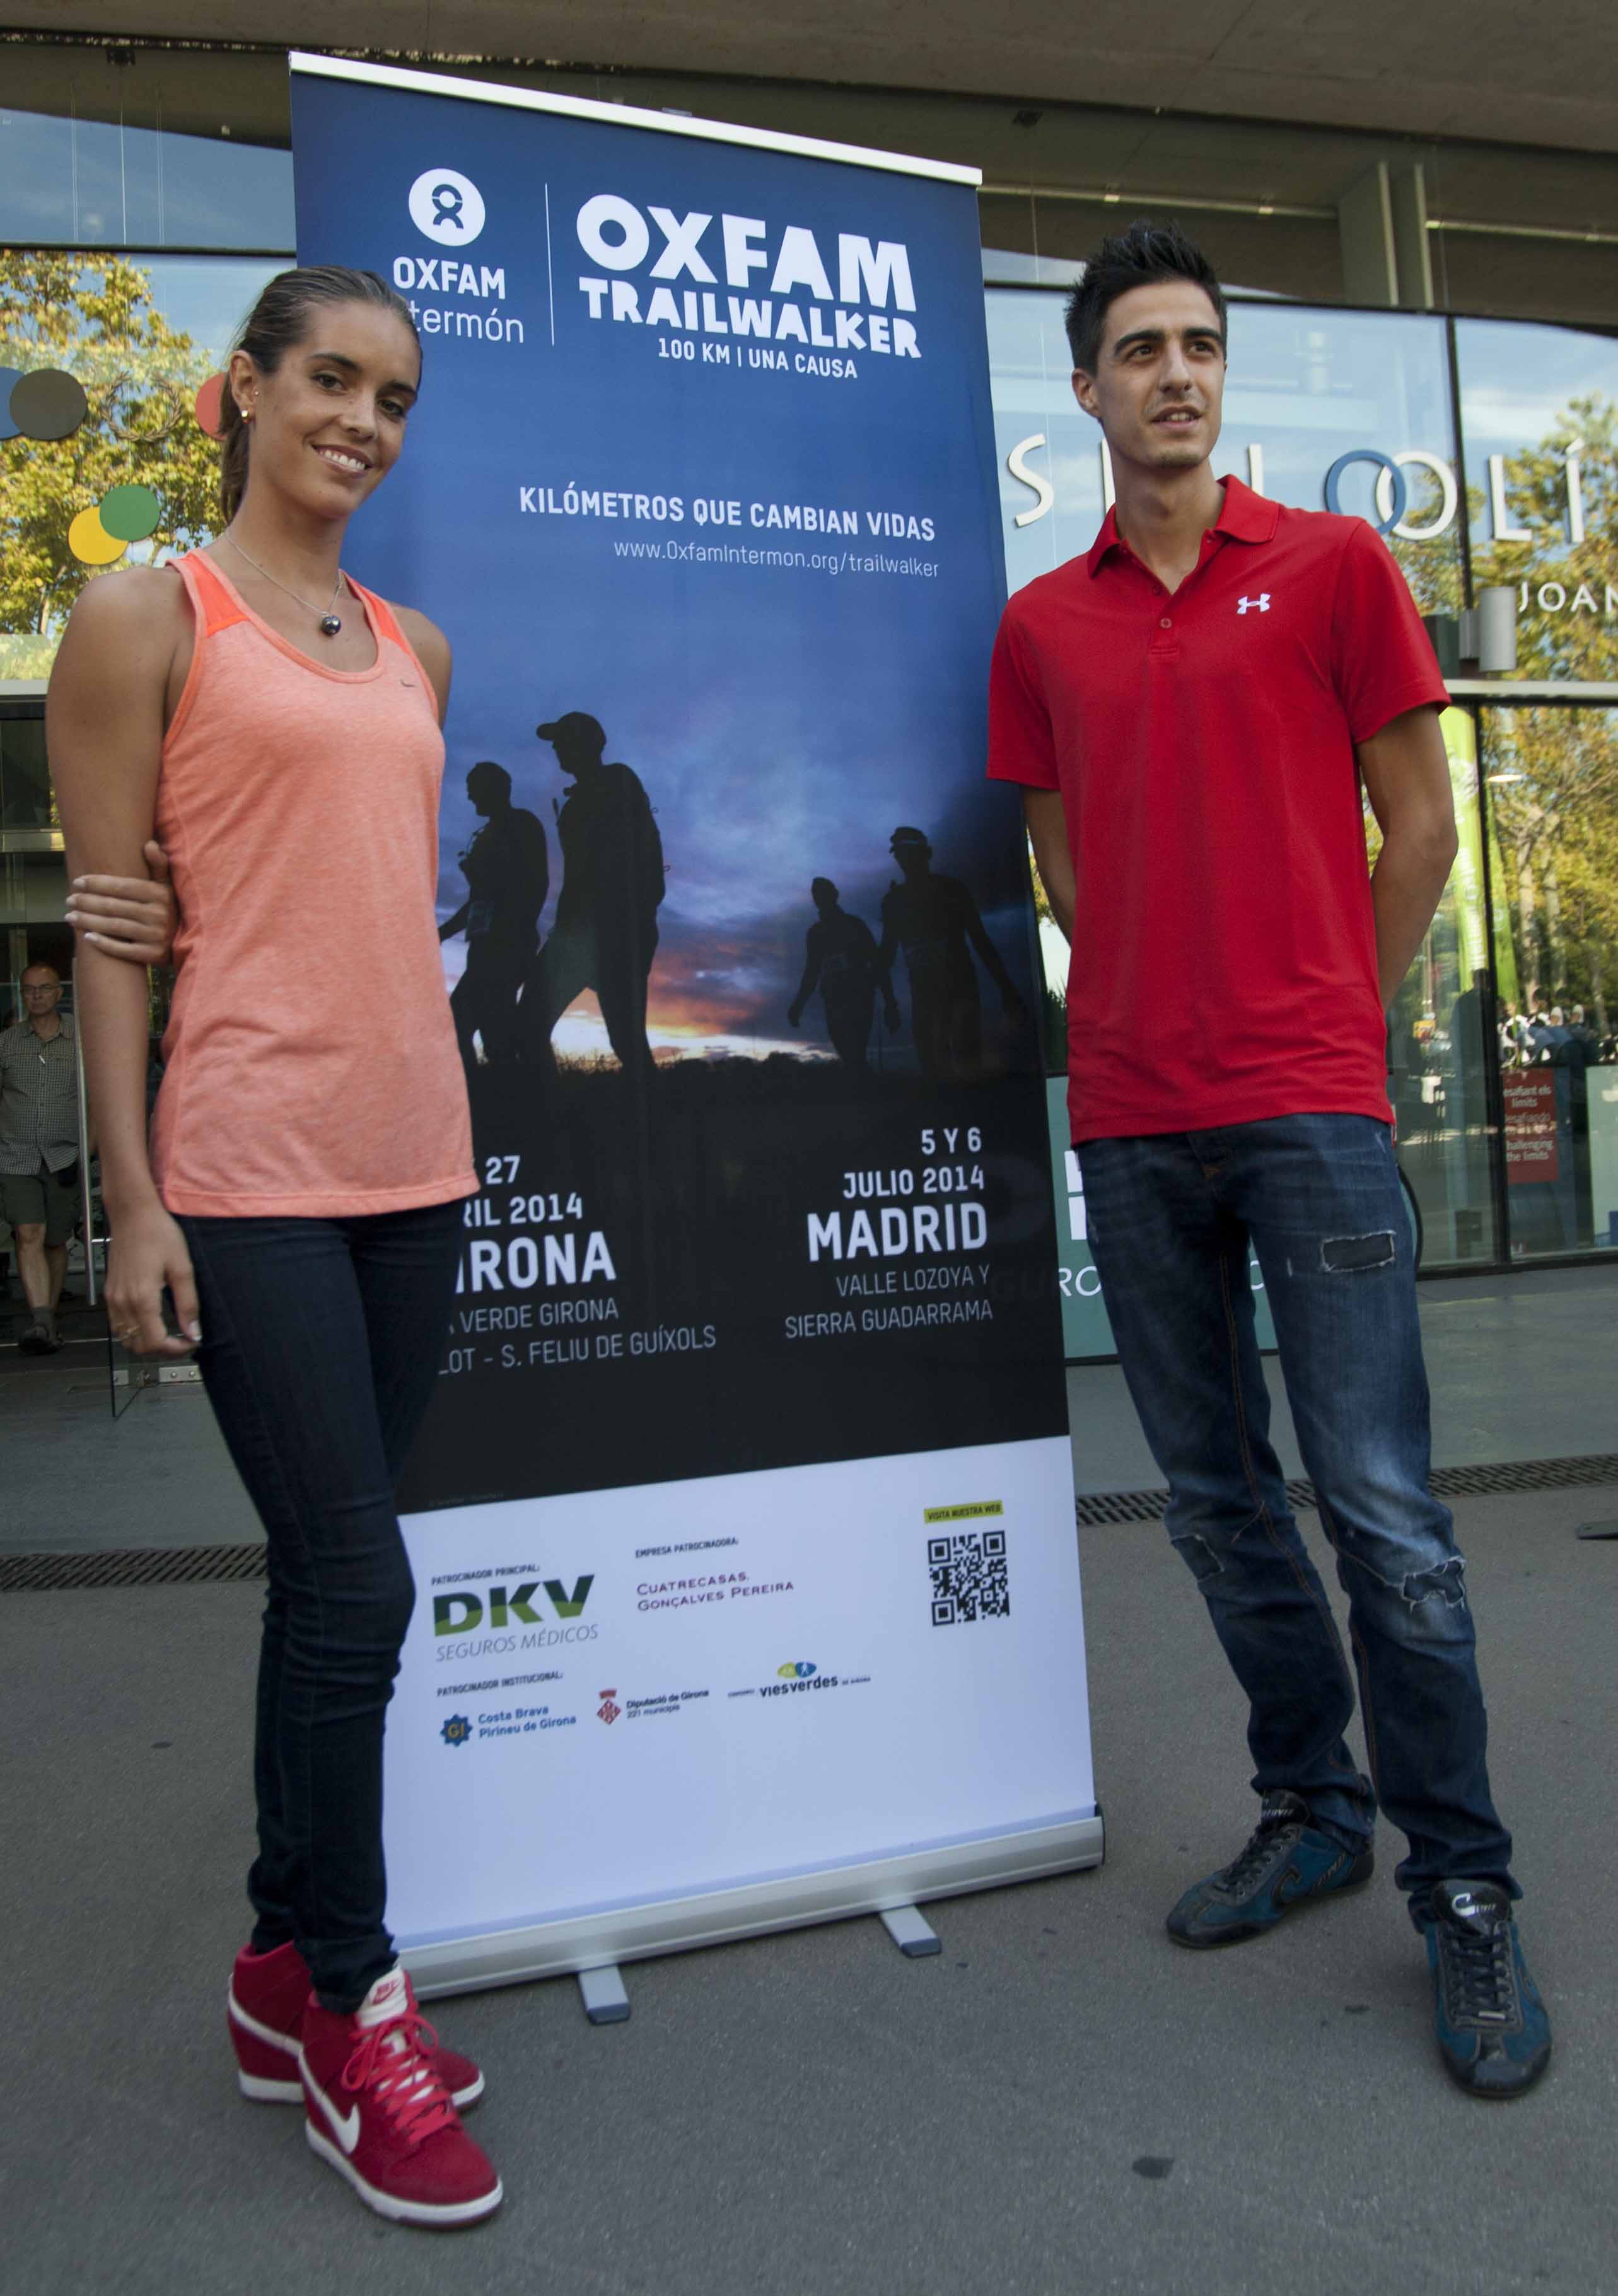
(129, 917)
(1405, 774)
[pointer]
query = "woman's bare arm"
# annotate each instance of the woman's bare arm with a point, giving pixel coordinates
(104, 736)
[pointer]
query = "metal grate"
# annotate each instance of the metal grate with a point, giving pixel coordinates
(1098, 1508)
(182, 1566)
(129, 1566)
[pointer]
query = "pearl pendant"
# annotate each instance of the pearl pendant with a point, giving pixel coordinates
(330, 624)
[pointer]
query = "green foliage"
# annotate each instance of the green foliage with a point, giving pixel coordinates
(1552, 784)
(101, 325)
(1581, 642)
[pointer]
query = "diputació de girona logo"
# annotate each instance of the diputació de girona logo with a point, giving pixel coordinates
(608, 1709)
(456, 1730)
(446, 206)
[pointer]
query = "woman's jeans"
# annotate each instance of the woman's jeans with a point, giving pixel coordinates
(1170, 1216)
(321, 1341)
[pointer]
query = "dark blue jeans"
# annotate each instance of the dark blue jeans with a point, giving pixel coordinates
(321, 1340)
(1170, 1216)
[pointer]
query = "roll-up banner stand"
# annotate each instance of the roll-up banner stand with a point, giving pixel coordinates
(743, 1519)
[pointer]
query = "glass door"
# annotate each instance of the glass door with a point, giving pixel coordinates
(1550, 775)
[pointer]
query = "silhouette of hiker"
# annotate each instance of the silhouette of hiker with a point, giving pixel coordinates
(507, 871)
(604, 935)
(935, 921)
(840, 955)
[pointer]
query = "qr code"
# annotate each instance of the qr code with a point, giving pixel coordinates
(969, 1578)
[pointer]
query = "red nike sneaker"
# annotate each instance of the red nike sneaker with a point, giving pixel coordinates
(264, 2007)
(375, 2108)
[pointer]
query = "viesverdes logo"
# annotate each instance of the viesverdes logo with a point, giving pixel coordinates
(447, 208)
(517, 1619)
(780, 282)
(797, 1674)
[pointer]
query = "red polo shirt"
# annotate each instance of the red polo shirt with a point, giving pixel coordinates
(1224, 960)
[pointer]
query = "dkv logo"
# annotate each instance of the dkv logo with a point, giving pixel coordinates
(447, 206)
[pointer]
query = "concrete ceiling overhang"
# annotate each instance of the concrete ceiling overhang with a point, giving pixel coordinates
(1493, 69)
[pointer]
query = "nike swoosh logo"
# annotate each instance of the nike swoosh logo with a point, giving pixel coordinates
(345, 2127)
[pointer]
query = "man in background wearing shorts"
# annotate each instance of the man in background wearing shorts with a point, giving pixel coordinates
(39, 1148)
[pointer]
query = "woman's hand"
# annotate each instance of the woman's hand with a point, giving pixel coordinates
(130, 917)
(147, 1251)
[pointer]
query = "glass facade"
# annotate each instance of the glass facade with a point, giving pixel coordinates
(1540, 415)
(142, 333)
(143, 195)
(1551, 775)
(130, 183)
(1502, 1067)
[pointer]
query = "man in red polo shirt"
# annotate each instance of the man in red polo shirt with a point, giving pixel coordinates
(1192, 710)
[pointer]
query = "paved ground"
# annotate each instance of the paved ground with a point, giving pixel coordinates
(1060, 2102)
(1520, 1366)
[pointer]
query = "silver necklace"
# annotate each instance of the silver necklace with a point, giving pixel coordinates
(328, 623)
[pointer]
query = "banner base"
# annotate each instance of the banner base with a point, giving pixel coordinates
(561, 1948)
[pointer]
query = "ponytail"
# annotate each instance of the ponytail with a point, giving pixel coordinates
(278, 322)
(233, 456)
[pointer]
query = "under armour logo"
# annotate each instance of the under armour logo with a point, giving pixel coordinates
(1259, 605)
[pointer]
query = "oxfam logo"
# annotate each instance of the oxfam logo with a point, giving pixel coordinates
(446, 206)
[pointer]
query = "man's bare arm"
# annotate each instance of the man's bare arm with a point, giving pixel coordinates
(1042, 810)
(129, 917)
(1405, 774)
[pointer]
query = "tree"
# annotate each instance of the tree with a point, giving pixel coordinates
(99, 323)
(1553, 773)
(1579, 639)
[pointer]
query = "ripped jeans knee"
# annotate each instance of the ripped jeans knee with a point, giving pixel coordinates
(1354, 1255)
(1417, 1597)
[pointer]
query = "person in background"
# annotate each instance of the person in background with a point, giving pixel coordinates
(604, 933)
(1193, 708)
(934, 921)
(40, 1149)
(840, 959)
(299, 1210)
(507, 871)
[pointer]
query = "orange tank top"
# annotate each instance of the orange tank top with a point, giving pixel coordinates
(311, 1065)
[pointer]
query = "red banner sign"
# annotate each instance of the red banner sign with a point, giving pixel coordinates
(1532, 1150)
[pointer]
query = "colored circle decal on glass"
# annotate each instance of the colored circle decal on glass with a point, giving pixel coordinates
(48, 404)
(210, 406)
(91, 544)
(10, 376)
(130, 513)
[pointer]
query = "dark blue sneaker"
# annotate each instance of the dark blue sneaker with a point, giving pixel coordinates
(1287, 1863)
(1492, 2028)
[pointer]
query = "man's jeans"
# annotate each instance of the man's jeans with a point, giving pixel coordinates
(321, 1343)
(1170, 1216)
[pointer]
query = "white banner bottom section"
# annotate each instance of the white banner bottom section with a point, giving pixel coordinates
(631, 1721)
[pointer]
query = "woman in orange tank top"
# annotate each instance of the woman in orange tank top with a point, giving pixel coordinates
(277, 728)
